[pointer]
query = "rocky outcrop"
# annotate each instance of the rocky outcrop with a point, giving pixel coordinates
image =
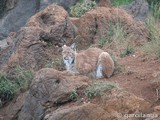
(11, 111)
(49, 99)
(139, 9)
(97, 23)
(17, 12)
(46, 29)
(50, 88)
(87, 111)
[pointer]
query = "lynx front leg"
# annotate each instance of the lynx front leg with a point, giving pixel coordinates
(99, 71)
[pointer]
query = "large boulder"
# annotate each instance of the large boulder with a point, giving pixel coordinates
(50, 88)
(87, 111)
(46, 29)
(139, 9)
(95, 24)
(17, 12)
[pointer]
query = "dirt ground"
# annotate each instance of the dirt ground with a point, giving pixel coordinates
(140, 76)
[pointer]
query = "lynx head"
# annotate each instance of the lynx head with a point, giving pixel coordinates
(68, 54)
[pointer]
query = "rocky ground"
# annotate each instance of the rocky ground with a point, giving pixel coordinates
(40, 40)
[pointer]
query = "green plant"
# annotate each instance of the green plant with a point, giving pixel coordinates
(15, 80)
(116, 34)
(153, 45)
(121, 2)
(81, 7)
(155, 10)
(74, 95)
(103, 41)
(97, 88)
(24, 77)
(129, 50)
(7, 89)
(153, 2)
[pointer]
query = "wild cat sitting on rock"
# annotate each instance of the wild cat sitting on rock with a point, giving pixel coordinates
(92, 62)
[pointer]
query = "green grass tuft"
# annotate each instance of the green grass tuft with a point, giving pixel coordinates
(121, 2)
(7, 89)
(129, 50)
(152, 47)
(16, 80)
(81, 7)
(98, 88)
(155, 10)
(116, 35)
(74, 95)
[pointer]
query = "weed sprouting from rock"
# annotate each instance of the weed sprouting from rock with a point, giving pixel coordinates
(98, 88)
(74, 95)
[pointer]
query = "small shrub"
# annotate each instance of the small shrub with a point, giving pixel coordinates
(121, 2)
(97, 88)
(153, 2)
(24, 77)
(7, 89)
(81, 7)
(153, 45)
(73, 96)
(14, 81)
(21, 77)
(129, 50)
(155, 10)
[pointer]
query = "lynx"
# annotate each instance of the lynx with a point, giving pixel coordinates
(92, 62)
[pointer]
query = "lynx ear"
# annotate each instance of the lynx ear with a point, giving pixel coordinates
(73, 46)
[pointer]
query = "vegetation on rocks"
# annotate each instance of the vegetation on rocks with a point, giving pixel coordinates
(116, 35)
(127, 51)
(152, 46)
(155, 10)
(98, 88)
(17, 79)
(121, 2)
(7, 89)
(153, 1)
(81, 7)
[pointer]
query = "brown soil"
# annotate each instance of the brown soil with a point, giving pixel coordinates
(140, 77)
